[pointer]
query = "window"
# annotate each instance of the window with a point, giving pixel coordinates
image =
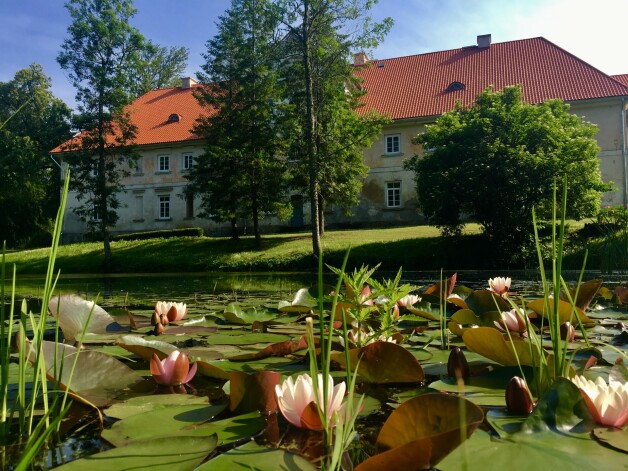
(188, 161)
(164, 207)
(163, 163)
(189, 205)
(139, 207)
(96, 216)
(94, 170)
(393, 144)
(393, 194)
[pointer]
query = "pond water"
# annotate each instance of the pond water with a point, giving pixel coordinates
(212, 292)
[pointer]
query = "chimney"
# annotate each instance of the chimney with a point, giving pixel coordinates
(360, 58)
(188, 82)
(484, 41)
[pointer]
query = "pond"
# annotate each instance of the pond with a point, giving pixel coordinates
(240, 328)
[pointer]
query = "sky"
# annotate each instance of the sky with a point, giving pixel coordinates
(32, 31)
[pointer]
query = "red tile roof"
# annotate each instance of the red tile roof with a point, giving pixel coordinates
(414, 86)
(150, 114)
(623, 78)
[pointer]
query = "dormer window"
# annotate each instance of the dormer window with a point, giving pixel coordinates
(453, 86)
(174, 118)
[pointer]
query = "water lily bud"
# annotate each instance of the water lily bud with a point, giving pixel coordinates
(164, 319)
(518, 397)
(159, 328)
(567, 332)
(457, 364)
(155, 319)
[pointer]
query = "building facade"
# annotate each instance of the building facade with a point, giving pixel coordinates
(413, 91)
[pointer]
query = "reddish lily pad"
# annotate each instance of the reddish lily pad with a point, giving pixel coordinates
(422, 431)
(442, 289)
(255, 391)
(279, 349)
(494, 345)
(586, 293)
(383, 362)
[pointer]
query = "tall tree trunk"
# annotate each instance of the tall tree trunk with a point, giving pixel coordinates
(309, 133)
(321, 215)
(234, 228)
(101, 194)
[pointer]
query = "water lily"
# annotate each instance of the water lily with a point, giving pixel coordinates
(173, 370)
(409, 300)
(518, 397)
(172, 311)
(499, 285)
(513, 320)
(608, 403)
(297, 401)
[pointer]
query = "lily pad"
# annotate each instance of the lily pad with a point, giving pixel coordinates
(254, 391)
(74, 312)
(236, 315)
(145, 348)
(274, 350)
(253, 456)
(97, 378)
(565, 312)
(303, 302)
(383, 362)
(422, 431)
(614, 437)
(162, 422)
(492, 344)
(141, 404)
(174, 454)
(481, 301)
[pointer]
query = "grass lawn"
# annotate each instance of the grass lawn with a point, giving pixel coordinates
(413, 248)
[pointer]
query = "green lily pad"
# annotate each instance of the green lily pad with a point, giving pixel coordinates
(236, 315)
(162, 422)
(145, 348)
(243, 338)
(255, 457)
(174, 454)
(481, 301)
(562, 408)
(614, 437)
(141, 404)
(303, 302)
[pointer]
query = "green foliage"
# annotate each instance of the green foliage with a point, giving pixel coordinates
(163, 234)
(242, 173)
(496, 160)
(321, 37)
(32, 121)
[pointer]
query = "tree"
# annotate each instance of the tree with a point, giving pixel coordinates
(157, 67)
(498, 159)
(32, 122)
(243, 173)
(100, 49)
(321, 36)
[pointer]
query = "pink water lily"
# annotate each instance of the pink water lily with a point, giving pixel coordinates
(173, 370)
(499, 285)
(409, 300)
(173, 311)
(513, 320)
(608, 403)
(298, 402)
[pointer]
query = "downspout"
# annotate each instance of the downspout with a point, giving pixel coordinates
(623, 149)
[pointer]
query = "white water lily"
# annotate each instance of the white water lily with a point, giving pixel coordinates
(294, 399)
(173, 311)
(499, 285)
(608, 403)
(409, 300)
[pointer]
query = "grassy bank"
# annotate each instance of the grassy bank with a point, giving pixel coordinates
(413, 248)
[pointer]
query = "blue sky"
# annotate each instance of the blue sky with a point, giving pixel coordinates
(33, 30)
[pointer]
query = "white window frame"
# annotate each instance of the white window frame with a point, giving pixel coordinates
(163, 206)
(188, 160)
(163, 163)
(392, 144)
(96, 216)
(393, 195)
(94, 170)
